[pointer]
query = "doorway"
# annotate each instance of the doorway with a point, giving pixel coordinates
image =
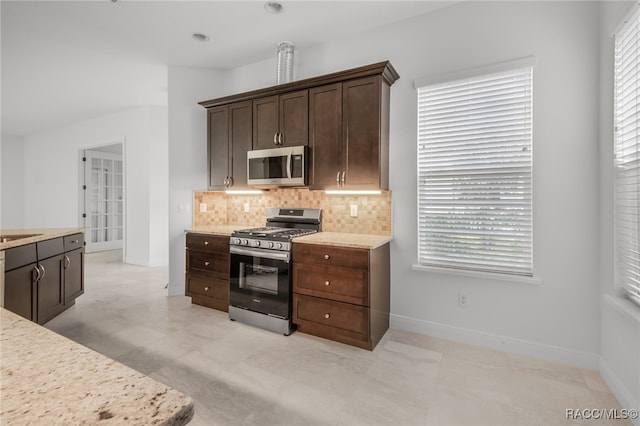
(103, 197)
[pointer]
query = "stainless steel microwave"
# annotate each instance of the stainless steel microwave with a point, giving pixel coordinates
(277, 167)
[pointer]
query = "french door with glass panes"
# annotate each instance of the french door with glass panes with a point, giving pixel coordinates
(104, 198)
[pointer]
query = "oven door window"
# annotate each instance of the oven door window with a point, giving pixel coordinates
(259, 278)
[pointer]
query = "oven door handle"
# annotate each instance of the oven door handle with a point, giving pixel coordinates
(275, 255)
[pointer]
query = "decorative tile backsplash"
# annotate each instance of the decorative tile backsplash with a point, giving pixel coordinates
(374, 211)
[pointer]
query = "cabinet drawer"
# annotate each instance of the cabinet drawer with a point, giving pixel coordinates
(213, 243)
(208, 261)
(49, 248)
(338, 316)
(20, 256)
(72, 242)
(331, 255)
(210, 287)
(341, 284)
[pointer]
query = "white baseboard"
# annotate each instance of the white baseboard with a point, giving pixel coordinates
(619, 390)
(493, 341)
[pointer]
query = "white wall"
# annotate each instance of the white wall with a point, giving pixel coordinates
(12, 181)
(187, 156)
(558, 319)
(620, 320)
(51, 170)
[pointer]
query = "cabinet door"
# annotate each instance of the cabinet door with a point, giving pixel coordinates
(265, 122)
(73, 275)
(50, 289)
(18, 290)
(361, 132)
(240, 140)
(325, 135)
(294, 118)
(219, 155)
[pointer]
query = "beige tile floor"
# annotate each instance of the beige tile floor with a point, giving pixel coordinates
(239, 375)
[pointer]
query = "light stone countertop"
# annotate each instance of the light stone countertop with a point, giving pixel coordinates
(46, 378)
(42, 234)
(343, 239)
(339, 239)
(223, 230)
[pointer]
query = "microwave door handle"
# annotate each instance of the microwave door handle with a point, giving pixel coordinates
(289, 164)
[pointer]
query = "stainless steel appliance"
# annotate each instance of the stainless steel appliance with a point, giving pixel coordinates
(260, 273)
(277, 167)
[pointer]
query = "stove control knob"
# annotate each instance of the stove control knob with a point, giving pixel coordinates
(236, 241)
(255, 243)
(272, 244)
(279, 246)
(245, 242)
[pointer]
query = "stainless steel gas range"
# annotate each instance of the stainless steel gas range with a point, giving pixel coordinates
(260, 274)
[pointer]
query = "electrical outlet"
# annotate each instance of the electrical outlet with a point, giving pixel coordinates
(354, 210)
(463, 300)
(203, 207)
(246, 207)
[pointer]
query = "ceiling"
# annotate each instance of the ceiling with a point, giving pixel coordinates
(66, 61)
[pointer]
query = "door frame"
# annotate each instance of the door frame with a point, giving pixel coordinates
(81, 182)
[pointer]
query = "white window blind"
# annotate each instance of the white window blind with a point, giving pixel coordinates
(474, 173)
(627, 156)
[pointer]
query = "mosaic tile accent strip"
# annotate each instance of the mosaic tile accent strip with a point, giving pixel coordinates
(374, 211)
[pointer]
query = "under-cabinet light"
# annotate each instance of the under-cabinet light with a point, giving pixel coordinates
(352, 192)
(244, 192)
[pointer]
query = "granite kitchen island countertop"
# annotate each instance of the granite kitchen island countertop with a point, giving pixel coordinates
(48, 379)
(36, 235)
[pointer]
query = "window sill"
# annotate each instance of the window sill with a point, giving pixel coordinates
(477, 274)
(625, 307)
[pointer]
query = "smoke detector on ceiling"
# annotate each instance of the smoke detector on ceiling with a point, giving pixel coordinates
(200, 37)
(273, 7)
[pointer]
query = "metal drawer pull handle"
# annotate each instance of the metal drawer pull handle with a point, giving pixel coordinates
(326, 257)
(206, 263)
(327, 283)
(75, 241)
(206, 243)
(207, 288)
(327, 316)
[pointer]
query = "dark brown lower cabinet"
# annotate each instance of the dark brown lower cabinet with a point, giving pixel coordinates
(19, 286)
(207, 270)
(50, 289)
(342, 294)
(43, 279)
(73, 275)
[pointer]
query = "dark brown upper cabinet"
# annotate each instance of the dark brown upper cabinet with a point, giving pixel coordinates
(349, 135)
(281, 120)
(343, 117)
(230, 137)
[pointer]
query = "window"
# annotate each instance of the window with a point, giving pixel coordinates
(474, 172)
(627, 156)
